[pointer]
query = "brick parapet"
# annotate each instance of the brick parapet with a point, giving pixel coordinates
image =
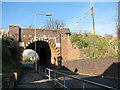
(27, 34)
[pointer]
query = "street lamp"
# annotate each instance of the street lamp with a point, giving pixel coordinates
(35, 36)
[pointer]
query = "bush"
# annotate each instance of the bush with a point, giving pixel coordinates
(81, 43)
(26, 59)
(86, 33)
(10, 49)
(95, 45)
(74, 38)
(10, 59)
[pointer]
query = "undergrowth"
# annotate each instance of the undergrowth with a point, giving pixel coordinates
(94, 46)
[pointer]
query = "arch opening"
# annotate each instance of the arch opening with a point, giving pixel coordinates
(44, 51)
(29, 56)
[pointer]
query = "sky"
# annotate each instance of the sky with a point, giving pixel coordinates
(23, 14)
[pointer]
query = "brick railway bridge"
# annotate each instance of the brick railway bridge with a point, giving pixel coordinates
(58, 45)
(51, 50)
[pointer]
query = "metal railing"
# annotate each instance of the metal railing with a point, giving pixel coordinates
(47, 72)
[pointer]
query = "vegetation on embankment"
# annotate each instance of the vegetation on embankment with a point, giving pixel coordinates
(95, 46)
(10, 57)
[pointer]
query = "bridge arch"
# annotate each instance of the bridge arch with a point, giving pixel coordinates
(45, 40)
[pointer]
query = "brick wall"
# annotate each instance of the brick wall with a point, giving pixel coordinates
(53, 55)
(14, 31)
(68, 50)
(74, 52)
(93, 66)
(27, 34)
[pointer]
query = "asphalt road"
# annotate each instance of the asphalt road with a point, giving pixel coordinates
(114, 83)
(76, 83)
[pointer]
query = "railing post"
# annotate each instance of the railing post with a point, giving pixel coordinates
(64, 82)
(55, 78)
(39, 69)
(45, 72)
(83, 85)
(49, 74)
(42, 69)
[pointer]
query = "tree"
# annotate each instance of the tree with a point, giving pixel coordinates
(30, 26)
(117, 19)
(52, 23)
(109, 35)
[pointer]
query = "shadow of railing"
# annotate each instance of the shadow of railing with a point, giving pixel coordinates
(112, 71)
(74, 80)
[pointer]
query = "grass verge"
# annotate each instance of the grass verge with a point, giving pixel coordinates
(7, 70)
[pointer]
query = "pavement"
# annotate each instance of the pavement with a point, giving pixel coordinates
(32, 79)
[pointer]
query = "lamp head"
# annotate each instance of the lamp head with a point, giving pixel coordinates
(48, 14)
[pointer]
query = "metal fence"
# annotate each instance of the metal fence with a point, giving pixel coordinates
(52, 74)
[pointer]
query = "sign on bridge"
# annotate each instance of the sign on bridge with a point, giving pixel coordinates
(21, 44)
(58, 45)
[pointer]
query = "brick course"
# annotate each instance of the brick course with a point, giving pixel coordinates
(27, 34)
(100, 66)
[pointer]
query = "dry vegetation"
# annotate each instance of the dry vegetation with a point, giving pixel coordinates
(10, 57)
(94, 46)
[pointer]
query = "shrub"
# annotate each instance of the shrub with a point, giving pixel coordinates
(10, 49)
(74, 38)
(81, 43)
(86, 33)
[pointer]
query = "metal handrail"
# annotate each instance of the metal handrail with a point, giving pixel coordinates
(64, 85)
(91, 82)
(53, 78)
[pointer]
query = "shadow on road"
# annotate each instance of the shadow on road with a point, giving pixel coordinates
(103, 79)
(112, 71)
(78, 84)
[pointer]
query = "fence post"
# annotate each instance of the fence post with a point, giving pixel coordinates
(55, 78)
(49, 74)
(64, 82)
(83, 85)
(45, 72)
(39, 69)
(42, 70)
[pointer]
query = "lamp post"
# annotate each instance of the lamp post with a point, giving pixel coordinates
(35, 36)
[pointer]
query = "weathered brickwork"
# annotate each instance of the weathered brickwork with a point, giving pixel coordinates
(14, 31)
(62, 36)
(104, 66)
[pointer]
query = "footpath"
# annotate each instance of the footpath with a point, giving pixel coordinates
(30, 79)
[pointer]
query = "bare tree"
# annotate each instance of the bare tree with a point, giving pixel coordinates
(54, 24)
(30, 26)
(117, 19)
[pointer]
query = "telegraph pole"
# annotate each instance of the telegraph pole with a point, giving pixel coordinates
(93, 21)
